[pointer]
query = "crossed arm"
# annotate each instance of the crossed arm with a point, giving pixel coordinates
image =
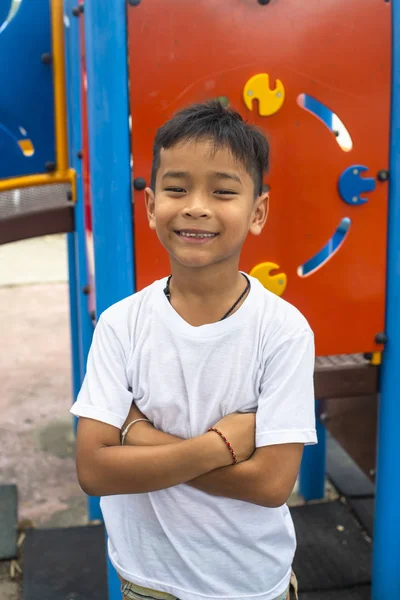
(152, 459)
(266, 478)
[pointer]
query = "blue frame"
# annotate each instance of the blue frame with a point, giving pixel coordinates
(109, 142)
(386, 551)
(73, 315)
(110, 173)
(81, 322)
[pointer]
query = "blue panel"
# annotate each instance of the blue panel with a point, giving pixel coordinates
(26, 101)
(386, 554)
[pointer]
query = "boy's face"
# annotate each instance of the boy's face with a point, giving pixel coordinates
(199, 192)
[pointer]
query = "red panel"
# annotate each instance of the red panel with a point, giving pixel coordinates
(336, 51)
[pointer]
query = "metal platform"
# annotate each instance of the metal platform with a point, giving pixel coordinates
(344, 375)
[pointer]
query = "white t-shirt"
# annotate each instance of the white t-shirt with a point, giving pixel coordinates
(181, 540)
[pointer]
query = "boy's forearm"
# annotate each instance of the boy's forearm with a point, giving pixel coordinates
(238, 482)
(144, 434)
(134, 470)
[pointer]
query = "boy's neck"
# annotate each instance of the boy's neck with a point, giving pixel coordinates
(205, 283)
(203, 296)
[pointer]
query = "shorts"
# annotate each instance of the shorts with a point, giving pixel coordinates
(131, 591)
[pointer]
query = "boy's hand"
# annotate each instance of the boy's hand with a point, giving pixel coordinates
(239, 429)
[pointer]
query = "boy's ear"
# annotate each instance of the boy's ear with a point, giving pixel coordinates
(260, 214)
(150, 207)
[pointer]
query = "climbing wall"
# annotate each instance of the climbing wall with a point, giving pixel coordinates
(38, 205)
(27, 142)
(315, 76)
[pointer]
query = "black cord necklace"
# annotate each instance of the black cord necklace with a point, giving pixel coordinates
(167, 292)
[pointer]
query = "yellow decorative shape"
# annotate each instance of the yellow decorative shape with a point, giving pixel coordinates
(376, 358)
(274, 283)
(26, 147)
(269, 101)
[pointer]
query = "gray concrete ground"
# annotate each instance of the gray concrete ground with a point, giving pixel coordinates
(35, 388)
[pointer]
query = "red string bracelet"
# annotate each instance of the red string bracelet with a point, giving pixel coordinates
(235, 460)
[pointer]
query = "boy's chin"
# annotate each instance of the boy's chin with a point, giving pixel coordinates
(193, 259)
(183, 259)
(193, 264)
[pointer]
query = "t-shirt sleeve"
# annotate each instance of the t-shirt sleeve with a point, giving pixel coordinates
(286, 406)
(105, 395)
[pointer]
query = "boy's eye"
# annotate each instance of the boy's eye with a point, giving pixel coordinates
(176, 190)
(225, 192)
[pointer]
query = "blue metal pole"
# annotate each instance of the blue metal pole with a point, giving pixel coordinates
(110, 173)
(73, 312)
(386, 551)
(82, 326)
(313, 465)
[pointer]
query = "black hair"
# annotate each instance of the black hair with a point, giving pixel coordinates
(222, 125)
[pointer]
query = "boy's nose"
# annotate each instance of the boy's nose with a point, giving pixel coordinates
(196, 213)
(196, 209)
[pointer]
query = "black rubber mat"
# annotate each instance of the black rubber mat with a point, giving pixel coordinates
(332, 551)
(358, 593)
(363, 509)
(333, 557)
(65, 564)
(8, 521)
(344, 473)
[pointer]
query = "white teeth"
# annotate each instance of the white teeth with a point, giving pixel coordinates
(198, 235)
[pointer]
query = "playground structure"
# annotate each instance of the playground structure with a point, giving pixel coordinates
(308, 74)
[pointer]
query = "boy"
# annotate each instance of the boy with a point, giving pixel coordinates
(191, 513)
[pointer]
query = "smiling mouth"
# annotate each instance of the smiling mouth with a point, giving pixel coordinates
(196, 234)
